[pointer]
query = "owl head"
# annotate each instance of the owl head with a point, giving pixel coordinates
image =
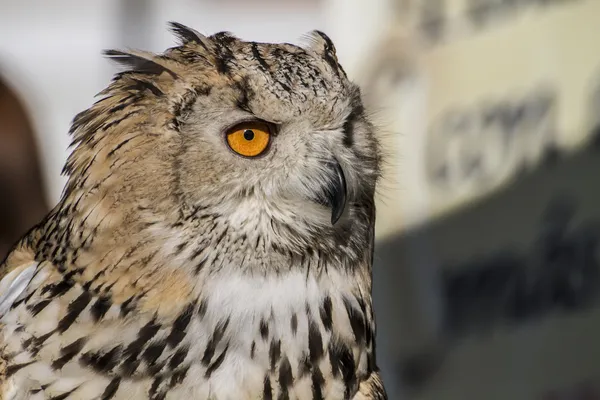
(270, 140)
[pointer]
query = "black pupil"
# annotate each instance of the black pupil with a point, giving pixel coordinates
(248, 134)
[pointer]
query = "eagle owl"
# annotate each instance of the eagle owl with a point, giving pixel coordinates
(214, 239)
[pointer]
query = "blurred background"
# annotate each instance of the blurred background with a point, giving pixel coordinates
(487, 276)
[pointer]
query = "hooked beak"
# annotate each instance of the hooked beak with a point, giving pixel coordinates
(337, 192)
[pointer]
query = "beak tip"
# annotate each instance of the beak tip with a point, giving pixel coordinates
(335, 216)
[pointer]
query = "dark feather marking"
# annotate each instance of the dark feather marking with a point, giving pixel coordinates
(284, 86)
(368, 334)
(371, 364)
(111, 389)
(222, 235)
(117, 121)
(73, 310)
(12, 369)
(362, 305)
(294, 323)
(259, 58)
(315, 343)
(180, 325)
(285, 379)
(131, 353)
(304, 366)
(141, 85)
(317, 384)
(100, 307)
(342, 363)
(245, 95)
(153, 393)
(124, 103)
(180, 246)
(64, 395)
(178, 377)
(88, 284)
(24, 300)
(284, 395)
(84, 118)
(130, 366)
(202, 308)
(127, 306)
(138, 63)
(68, 352)
(117, 147)
(200, 265)
(252, 349)
(267, 389)
(102, 362)
(33, 344)
(356, 321)
(156, 368)
(325, 312)
(196, 253)
(264, 329)
(223, 40)
(217, 363)
(348, 128)
(214, 341)
(38, 307)
(154, 351)
(222, 66)
(178, 357)
(58, 289)
(274, 353)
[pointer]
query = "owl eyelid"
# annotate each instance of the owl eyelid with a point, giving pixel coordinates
(273, 127)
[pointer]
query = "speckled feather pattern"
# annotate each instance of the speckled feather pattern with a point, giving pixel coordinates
(172, 268)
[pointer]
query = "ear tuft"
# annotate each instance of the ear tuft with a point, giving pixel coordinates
(320, 43)
(138, 63)
(189, 35)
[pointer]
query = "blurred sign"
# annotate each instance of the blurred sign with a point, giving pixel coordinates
(494, 87)
(558, 272)
(491, 208)
(442, 21)
(518, 289)
(478, 147)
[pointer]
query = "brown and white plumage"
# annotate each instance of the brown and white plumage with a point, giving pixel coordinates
(173, 267)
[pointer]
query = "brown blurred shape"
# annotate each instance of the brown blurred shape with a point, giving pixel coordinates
(22, 198)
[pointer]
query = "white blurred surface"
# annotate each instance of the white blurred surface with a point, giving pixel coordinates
(50, 52)
(50, 55)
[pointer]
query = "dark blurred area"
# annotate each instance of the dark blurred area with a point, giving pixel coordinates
(22, 192)
(487, 264)
(532, 273)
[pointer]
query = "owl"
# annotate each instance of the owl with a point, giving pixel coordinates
(214, 239)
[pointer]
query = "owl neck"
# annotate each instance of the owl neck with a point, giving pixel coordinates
(103, 243)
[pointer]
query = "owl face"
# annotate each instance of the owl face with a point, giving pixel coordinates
(279, 134)
(219, 136)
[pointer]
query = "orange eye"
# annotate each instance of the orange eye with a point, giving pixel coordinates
(249, 139)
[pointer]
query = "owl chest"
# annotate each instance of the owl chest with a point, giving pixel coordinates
(291, 337)
(286, 337)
